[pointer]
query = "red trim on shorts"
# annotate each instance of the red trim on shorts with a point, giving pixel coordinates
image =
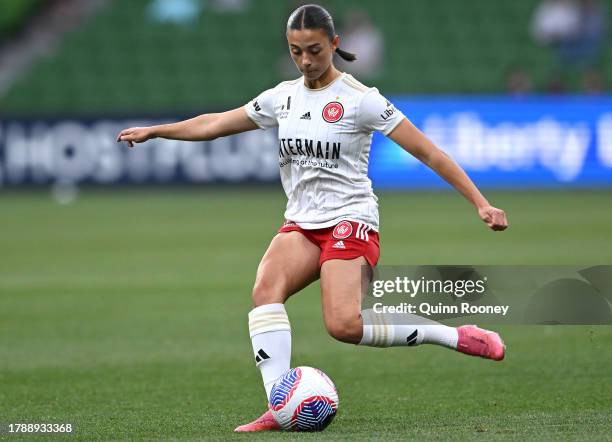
(361, 241)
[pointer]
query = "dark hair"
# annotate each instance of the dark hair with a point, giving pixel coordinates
(316, 17)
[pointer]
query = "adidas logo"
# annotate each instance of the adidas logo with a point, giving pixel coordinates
(412, 339)
(261, 356)
(339, 245)
(306, 116)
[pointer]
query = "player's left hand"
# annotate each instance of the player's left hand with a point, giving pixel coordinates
(494, 218)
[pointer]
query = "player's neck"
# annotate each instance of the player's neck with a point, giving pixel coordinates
(328, 76)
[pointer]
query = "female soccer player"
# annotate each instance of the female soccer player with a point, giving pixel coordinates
(325, 121)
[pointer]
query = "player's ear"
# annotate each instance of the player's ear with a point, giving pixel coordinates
(335, 42)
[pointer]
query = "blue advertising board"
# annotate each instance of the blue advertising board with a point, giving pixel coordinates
(504, 142)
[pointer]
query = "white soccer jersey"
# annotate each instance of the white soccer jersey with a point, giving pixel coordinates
(324, 144)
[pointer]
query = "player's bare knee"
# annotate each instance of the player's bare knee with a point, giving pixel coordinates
(266, 291)
(345, 329)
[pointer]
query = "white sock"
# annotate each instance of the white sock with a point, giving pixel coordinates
(271, 338)
(392, 330)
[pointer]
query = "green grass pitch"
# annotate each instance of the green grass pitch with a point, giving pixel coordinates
(124, 314)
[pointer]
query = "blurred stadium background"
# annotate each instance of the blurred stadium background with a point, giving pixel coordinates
(125, 274)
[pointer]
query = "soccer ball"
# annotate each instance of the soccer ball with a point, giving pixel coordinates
(304, 399)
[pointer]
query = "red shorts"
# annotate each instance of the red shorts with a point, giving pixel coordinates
(345, 240)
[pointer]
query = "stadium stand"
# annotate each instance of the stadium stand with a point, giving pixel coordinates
(123, 61)
(13, 13)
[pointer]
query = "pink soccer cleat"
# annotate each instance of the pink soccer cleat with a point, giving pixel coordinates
(479, 342)
(265, 422)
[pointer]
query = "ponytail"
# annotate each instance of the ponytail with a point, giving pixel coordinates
(317, 17)
(347, 56)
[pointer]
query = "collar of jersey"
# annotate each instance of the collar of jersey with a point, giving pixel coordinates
(342, 75)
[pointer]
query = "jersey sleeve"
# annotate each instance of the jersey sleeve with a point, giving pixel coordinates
(261, 109)
(378, 113)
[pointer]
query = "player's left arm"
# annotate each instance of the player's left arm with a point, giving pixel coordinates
(417, 144)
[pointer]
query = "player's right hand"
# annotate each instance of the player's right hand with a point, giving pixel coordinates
(135, 135)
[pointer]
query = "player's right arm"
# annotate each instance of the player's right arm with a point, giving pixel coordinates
(201, 128)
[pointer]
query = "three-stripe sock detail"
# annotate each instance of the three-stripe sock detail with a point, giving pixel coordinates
(261, 356)
(271, 339)
(392, 330)
(412, 339)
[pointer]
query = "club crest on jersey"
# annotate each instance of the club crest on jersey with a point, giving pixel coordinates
(333, 112)
(342, 230)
